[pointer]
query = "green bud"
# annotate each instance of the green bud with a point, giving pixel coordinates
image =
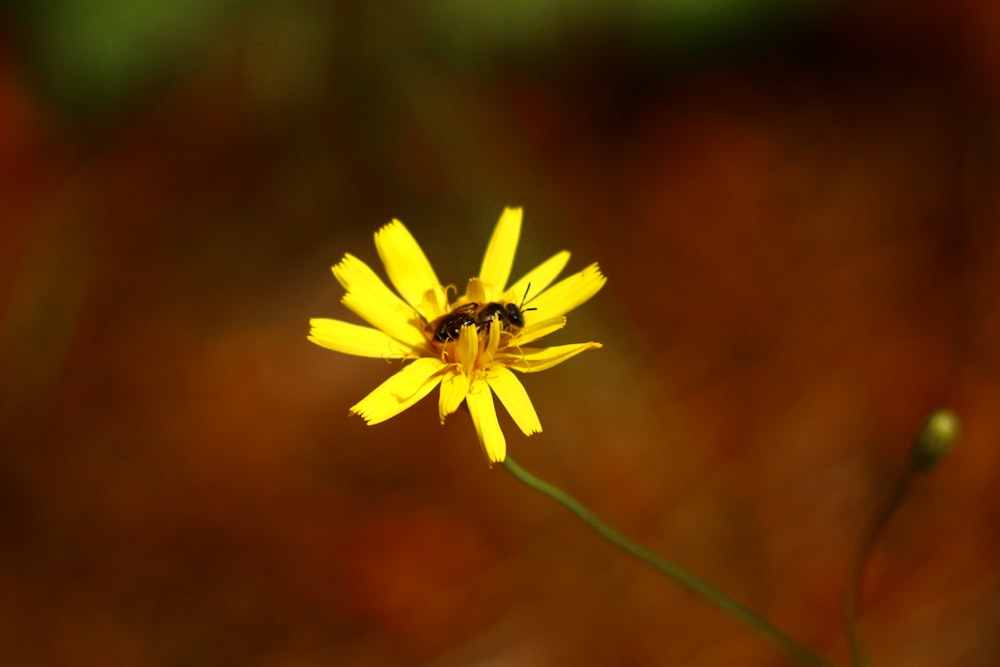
(934, 439)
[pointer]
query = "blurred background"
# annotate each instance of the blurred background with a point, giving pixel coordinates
(796, 206)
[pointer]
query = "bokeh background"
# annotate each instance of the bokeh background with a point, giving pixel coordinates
(795, 202)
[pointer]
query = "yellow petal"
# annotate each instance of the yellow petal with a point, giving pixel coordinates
(535, 330)
(493, 341)
(356, 276)
(409, 332)
(532, 360)
(407, 267)
(375, 303)
(538, 279)
(569, 293)
(475, 292)
(484, 418)
(400, 391)
(511, 393)
(454, 387)
(467, 348)
(355, 339)
(499, 257)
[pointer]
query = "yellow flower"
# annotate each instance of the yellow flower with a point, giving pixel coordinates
(468, 346)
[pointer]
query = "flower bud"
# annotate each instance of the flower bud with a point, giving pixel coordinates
(934, 439)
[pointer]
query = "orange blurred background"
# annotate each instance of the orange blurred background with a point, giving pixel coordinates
(796, 206)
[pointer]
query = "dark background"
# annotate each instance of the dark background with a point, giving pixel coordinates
(796, 205)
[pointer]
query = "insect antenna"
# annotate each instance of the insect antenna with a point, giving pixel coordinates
(524, 299)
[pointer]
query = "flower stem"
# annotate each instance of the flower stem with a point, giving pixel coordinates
(794, 649)
(852, 594)
(936, 437)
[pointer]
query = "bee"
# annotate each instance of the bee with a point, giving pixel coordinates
(510, 316)
(449, 327)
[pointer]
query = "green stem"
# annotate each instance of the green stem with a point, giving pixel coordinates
(853, 592)
(793, 648)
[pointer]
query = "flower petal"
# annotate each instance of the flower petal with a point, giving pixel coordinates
(400, 391)
(355, 339)
(454, 387)
(531, 360)
(375, 303)
(408, 332)
(356, 276)
(536, 330)
(511, 393)
(499, 257)
(570, 292)
(475, 292)
(539, 278)
(408, 269)
(493, 340)
(467, 348)
(484, 418)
